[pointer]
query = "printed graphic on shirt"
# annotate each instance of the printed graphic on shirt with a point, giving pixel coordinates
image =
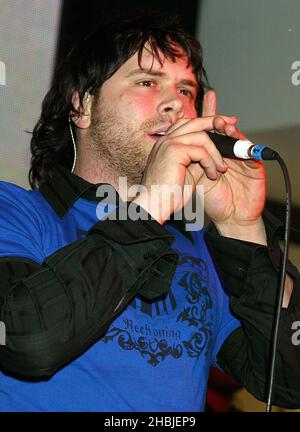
(179, 324)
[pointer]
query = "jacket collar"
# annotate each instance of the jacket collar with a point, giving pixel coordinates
(63, 189)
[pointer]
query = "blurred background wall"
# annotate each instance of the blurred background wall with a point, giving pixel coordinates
(28, 37)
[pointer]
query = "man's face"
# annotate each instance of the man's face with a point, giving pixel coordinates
(135, 106)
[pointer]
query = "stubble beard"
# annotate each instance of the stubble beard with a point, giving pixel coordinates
(116, 148)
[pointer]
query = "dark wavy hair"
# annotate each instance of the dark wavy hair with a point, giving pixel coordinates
(88, 65)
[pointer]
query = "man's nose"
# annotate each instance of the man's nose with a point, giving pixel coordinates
(171, 106)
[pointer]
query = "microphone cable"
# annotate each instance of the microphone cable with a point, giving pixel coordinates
(281, 284)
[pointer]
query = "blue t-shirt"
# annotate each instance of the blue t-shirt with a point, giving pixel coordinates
(155, 356)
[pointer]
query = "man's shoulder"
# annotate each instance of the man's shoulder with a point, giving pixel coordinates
(22, 226)
(11, 190)
(17, 202)
(14, 194)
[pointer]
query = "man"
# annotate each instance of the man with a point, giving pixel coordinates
(106, 314)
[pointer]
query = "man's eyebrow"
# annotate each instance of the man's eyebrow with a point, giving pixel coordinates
(190, 83)
(155, 73)
(149, 72)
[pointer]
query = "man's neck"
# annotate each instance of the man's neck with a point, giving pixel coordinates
(98, 172)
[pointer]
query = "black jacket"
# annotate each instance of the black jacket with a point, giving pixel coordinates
(56, 311)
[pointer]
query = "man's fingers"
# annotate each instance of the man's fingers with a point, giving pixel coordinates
(234, 132)
(202, 156)
(178, 124)
(202, 140)
(209, 106)
(220, 123)
(224, 128)
(184, 126)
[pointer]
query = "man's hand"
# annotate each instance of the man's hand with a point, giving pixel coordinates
(245, 225)
(181, 158)
(234, 189)
(236, 199)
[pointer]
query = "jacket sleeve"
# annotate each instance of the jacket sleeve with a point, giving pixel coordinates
(55, 311)
(250, 274)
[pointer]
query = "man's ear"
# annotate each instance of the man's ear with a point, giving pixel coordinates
(82, 120)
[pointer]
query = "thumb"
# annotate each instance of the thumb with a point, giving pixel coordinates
(209, 107)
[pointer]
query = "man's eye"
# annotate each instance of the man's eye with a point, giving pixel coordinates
(186, 92)
(146, 83)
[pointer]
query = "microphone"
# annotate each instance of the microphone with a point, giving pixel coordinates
(241, 149)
